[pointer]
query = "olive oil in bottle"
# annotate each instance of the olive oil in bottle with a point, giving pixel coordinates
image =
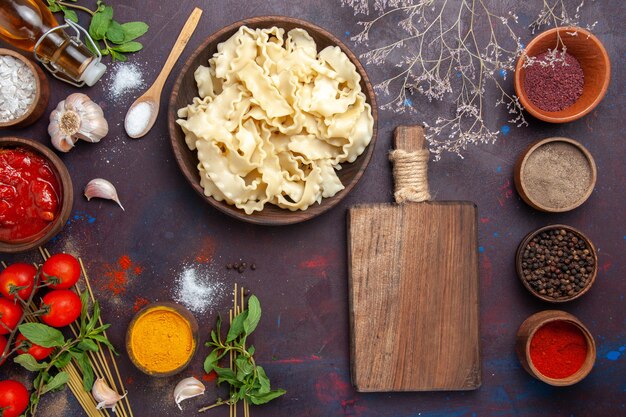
(30, 26)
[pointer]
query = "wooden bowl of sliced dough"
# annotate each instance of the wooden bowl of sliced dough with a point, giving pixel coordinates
(185, 89)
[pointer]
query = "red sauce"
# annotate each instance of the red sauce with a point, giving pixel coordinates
(29, 194)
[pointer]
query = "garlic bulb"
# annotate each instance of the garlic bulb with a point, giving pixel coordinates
(187, 388)
(101, 188)
(104, 395)
(76, 117)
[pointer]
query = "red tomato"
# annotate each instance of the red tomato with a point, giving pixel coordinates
(10, 315)
(17, 275)
(63, 308)
(3, 344)
(13, 398)
(64, 267)
(37, 352)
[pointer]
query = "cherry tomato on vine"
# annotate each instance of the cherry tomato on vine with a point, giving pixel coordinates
(13, 398)
(63, 308)
(10, 315)
(36, 351)
(64, 267)
(3, 344)
(17, 275)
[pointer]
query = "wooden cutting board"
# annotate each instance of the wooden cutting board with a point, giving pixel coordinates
(414, 292)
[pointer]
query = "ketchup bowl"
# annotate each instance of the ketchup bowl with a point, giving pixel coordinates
(36, 194)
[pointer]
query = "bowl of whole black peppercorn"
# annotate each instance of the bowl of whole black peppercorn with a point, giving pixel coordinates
(557, 263)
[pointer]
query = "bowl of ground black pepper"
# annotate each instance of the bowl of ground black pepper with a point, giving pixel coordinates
(24, 90)
(562, 75)
(555, 175)
(557, 263)
(556, 348)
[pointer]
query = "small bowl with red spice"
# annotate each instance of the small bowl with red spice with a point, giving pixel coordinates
(563, 74)
(36, 194)
(556, 348)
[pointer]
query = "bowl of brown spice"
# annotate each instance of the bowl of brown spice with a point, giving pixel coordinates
(555, 175)
(557, 263)
(24, 94)
(562, 75)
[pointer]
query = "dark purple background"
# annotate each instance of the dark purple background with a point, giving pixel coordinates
(301, 279)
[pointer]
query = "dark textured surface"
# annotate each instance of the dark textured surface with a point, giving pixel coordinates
(301, 276)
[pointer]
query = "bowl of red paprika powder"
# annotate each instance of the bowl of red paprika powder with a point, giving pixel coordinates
(556, 348)
(562, 75)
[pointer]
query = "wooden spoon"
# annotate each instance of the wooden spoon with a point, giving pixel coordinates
(137, 126)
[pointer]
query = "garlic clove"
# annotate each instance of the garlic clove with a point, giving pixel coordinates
(76, 117)
(187, 388)
(101, 188)
(104, 395)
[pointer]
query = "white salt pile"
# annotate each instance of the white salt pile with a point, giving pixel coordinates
(126, 78)
(138, 118)
(196, 290)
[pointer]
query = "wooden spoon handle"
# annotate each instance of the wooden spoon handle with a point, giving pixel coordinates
(410, 168)
(179, 46)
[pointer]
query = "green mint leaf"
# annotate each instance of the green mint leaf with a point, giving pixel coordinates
(258, 399)
(133, 30)
(84, 302)
(100, 22)
(211, 361)
(244, 368)
(42, 335)
(117, 55)
(82, 360)
(262, 380)
(87, 344)
(236, 327)
(254, 315)
(115, 32)
(227, 375)
(128, 47)
(251, 350)
(102, 339)
(54, 7)
(95, 315)
(27, 361)
(70, 15)
(63, 360)
(57, 382)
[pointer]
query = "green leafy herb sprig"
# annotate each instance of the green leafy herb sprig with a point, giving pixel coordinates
(247, 380)
(112, 37)
(51, 376)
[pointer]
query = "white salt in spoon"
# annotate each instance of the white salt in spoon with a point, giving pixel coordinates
(143, 112)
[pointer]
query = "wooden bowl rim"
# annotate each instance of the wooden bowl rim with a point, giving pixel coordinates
(549, 116)
(529, 236)
(519, 172)
(185, 314)
(38, 87)
(67, 191)
(285, 217)
(549, 316)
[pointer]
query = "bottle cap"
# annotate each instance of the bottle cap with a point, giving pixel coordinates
(93, 72)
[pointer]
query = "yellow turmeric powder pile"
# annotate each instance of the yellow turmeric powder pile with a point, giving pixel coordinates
(161, 340)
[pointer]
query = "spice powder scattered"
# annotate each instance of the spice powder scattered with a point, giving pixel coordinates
(557, 175)
(117, 275)
(161, 340)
